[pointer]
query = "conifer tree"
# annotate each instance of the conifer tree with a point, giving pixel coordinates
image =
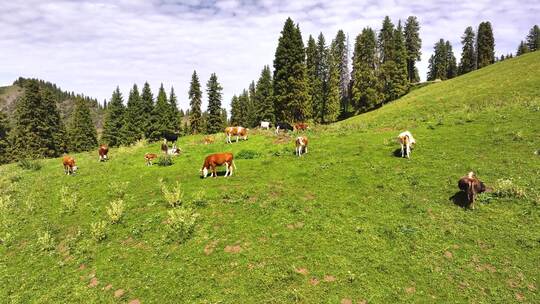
(312, 66)
(59, 143)
(215, 120)
(386, 41)
(533, 39)
(160, 119)
(114, 120)
(340, 51)
(442, 64)
(522, 49)
(485, 45)
(147, 106)
(451, 70)
(195, 101)
(332, 106)
(251, 111)
(366, 87)
(133, 124)
(236, 112)
(224, 119)
(264, 96)
(468, 53)
(243, 104)
(413, 44)
(81, 131)
(174, 119)
(4, 143)
(290, 76)
(320, 86)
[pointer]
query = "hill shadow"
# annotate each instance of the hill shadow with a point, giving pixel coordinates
(460, 199)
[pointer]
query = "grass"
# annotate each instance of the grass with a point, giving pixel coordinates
(348, 220)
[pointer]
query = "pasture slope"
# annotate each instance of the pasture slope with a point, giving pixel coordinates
(347, 223)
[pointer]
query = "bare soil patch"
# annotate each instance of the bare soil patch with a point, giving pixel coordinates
(93, 282)
(233, 248)
(329, 278)
(302, 271)
(209, 248)
(119, 293)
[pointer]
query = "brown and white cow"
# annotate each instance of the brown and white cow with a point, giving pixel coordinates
(301, 145)
(215, 160)
(471, 185)
(69, 165)
(236, 131)
(103, 152)
(406, 140)
(149, 157)
(174, 151)
(164, 146)
(301, 126)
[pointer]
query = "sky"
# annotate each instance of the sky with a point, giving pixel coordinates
(91, 47)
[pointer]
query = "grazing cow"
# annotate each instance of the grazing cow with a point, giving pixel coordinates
(69, 165)
(149, 157)
(164, 146)
(103, 151)
(235, 131)
(301, 145)
(215, 160)
(471, 185)
(265, 125)
(208, 140)
(301, 126)
(174, 151)
(407, 141)
(283, 126)
(169, 136)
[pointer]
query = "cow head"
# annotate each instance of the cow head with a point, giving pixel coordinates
(204, 172)
(74, 169)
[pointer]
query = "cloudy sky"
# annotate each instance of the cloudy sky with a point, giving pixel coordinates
(91, 47)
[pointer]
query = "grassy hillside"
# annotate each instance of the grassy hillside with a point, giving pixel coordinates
(348, 222)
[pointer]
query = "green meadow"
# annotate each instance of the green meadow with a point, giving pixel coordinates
(349, 222)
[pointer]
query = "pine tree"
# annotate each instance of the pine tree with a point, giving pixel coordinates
(195, 101)
(236, 112)
(251, 111)
(366, 87)
(160, 119)
(451, 69)
(81, 131)
(133, 125)
(468, 53)
(264, 96)
(243, 104)
(59, 143)
(332, 108)
(147, 106)
(533, 39)
(290, 76)
(413, 44)
(213, 89)
(4, 143)
(32, 136)
(400, 82)
(114, 120)
(386, 41)
(522, 49)
(320, 87)
(485, 45)
(340, 52)
(312, 66)
(438, 63)
(224, 118)
(174, 119)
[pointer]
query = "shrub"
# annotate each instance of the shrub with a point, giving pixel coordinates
(45, 241)
(116, 210)
(69, 199)
(98, 231)
(175, 196)
(199, 199)
(118, 189)
(507, 188)
(247, 154)
(164, 161)
(5, 203)
(32, 165)
(484, 198)
(181, 223)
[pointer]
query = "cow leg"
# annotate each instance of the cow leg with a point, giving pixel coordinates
(236, 138)
(226, 169)
(402, 151)
(305, 149)
(408, 150)
(231, 168)
(215, 171)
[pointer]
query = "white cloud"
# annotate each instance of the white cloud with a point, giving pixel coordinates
(93, 46)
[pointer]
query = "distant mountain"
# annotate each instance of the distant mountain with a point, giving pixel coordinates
(65, 100)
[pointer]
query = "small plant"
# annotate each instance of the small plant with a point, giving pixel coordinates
(69, 199)
(507, 188)
(6, 239)
(98, 231)
(517, 136)
(181, 223)
(32, 165)
(45, 241)
(247, 154)
(199, 199)
(116, 210)
(165, 160)
(118, 189)
(29, 203)
(5, 203)
(484, 198)
(174, 196)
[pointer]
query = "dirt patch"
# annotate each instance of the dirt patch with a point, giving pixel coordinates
(346, 301)
(134, 301)
(329, 278)
(531, 287)
(209, 248)
(487, 267)
(309, 197)
(520, 297)
(302, 271)
(93, 282)
(448, 255)
(512, 283)
(297, 225)
(82, 267)
(362, 302)
(410, 290)
(119, 293)
(233, 249)
(463, 285)
(314, 281)
(108, 287)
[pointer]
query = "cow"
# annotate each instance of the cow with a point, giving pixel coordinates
(208, 140)
(301, 145)
(164, 146)
(174, 151)
(69, 165)
(406, 141)
(471, 185)
(103, 151)
(283, 126)
(215, 160)
(170, 136)
(236, 131)
(149, 157)
(301, 126)
(265, 125)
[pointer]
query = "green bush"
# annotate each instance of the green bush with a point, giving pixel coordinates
(174, 196)
(68, 199)
(181, 223)
(32, 165)
(247, 154)
(165, 160)
(116, 210)
(98, 231)
(118, 189)
(45, 241)
(507, 188)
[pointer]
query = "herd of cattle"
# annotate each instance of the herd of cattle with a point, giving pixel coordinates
(469, 184)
